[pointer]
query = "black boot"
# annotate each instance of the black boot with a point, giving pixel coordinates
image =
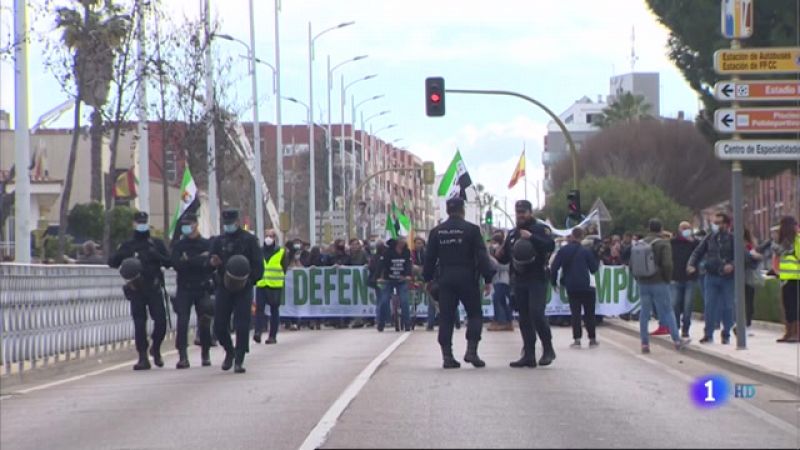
(144, 362)
(183, 360)
(257, 337)
(528, 359)
(449, 362)
(472, 355)
(205, 357)
(549, 354)
(228, 363)
(238, 367)
(157, 359)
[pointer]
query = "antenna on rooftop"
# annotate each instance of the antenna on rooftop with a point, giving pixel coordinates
(634, 58)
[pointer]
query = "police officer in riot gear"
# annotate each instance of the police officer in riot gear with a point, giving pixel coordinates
(144, 292)
(190, 259)
(236, 255)
(458, 248)
(527, 248)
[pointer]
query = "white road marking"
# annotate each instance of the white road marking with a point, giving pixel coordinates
(78, 377)
(758, 413)
(319, 434)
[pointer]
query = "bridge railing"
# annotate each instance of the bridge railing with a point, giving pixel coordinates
(50, 313)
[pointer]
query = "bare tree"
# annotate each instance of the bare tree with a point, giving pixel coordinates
(671, 154)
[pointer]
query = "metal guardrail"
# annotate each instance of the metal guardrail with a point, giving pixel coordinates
(54, 312)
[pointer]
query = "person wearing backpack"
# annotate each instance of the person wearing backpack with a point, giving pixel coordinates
(651, 265)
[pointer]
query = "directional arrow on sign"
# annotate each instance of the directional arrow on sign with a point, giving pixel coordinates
(727, 90)
(757, 120)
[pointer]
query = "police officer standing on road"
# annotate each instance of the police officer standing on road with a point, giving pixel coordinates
(458, 248)
(144, 293)
(190, 259)
(237, 256)
(527, 248)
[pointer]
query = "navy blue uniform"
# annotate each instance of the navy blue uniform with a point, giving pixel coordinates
(457, 247)
(237, 303)
(153, 255)
(190, 260)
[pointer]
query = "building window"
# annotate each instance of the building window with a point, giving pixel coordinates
(171, 168)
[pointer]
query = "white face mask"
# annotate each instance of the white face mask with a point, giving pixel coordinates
(687, 234)
(714, 228)
(269, 241)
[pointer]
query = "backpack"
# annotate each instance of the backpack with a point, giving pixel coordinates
(643, 259)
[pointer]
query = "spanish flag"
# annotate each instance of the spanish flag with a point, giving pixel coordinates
(125, 186)
(519, 172)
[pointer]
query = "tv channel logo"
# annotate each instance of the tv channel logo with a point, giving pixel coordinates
(713, 391)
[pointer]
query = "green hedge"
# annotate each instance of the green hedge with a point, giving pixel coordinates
(768, 302)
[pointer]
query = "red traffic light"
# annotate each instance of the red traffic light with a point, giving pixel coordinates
(436, 98)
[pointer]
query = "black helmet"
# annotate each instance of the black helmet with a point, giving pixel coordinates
(523, 254)
(237, 272)
(130, 269)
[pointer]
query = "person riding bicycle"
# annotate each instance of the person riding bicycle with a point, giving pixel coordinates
(395, 273)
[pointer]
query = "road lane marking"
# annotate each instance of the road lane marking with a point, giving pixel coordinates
(77, 377)
(321, 431)
(758, 413)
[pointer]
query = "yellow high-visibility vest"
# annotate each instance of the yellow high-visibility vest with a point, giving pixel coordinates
(273, 271)
(789, 265)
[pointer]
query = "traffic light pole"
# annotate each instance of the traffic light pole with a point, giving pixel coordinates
(573, 153)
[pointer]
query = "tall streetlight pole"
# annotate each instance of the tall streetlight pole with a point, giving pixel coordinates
(213, 199)
(22, 189)
(259, 178)
(355, 106)
(279, 127)
(342, 145)
(330, 120)
(312, 197)
(379, 151)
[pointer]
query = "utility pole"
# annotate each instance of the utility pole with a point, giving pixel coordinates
(22, 182)
(213, 197)
(144, 138)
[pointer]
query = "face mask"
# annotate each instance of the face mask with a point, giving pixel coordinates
(186, 230)
(230, 228)
(142, 227)
(373, 245)
(297, 246)
(714, 228)
(269, 241)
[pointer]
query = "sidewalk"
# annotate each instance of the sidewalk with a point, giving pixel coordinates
(763, 356)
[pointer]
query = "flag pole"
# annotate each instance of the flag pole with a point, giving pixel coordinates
(526, 172)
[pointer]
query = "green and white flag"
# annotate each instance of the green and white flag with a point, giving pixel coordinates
(189, 203)
(397, 223)
(456, 180)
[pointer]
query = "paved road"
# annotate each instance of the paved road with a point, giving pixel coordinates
(608, 397)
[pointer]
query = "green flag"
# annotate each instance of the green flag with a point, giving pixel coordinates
(456, 180)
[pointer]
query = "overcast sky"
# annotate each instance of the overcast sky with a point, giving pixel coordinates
(553, 50)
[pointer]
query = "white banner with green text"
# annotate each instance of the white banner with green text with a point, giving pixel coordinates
(343, 292)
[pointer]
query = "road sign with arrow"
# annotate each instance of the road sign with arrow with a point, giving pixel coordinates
(751, 90)
(757, 120)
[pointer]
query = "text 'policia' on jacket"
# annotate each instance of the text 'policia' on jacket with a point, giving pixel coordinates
(457, 245)
(238, 243)
(151, 252)
(542, 242)
(190, 260)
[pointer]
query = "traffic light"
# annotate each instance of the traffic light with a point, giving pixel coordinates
(434, 96)
(428, 173)
(489, 217)
(574, 204)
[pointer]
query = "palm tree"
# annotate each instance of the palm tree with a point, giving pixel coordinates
(93, 35)
(628, 108)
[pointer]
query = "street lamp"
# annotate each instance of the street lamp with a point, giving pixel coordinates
(312, 198)
(259, 179)
(342, 145)
(330, 135)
